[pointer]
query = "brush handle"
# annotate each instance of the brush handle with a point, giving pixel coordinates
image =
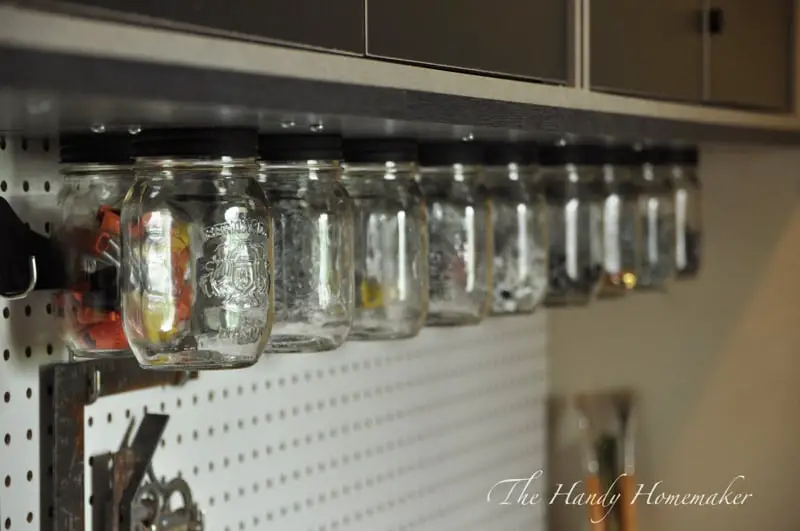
(627, 488)
(596, 512)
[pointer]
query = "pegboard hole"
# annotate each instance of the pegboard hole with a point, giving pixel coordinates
(47, 186)
(28, 352)
(25, 186)
(2, 143)
(27, 310)
(29, 518)
(6, 397)
(6, 354)
(8, 481)
(49, 307)
(49, 349)
(46, 145)
(8, 523)
(91, 421)
(29, 392)
(30, 473)
(6, 313)
(24, 144)
(29, 435)
(3, 186)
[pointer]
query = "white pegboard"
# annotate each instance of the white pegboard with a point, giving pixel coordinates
(387, 436)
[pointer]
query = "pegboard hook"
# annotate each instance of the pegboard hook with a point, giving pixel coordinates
(31, 284)
(95, 386)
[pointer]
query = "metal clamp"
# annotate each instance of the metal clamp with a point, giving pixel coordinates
(31, 285)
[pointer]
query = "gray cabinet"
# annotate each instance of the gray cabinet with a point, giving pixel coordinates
(724, 52)
(330, 24)
(750, 53)
(652, 48)
(520, 38)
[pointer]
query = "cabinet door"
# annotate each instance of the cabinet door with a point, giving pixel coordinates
(331, 24)
(750, 60)
(647, 47)
(522, 38)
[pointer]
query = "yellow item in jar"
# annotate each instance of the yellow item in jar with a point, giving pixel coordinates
(161, 321)
(180, 237)
(371, 294)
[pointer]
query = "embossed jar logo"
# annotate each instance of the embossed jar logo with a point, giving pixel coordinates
(237, 271)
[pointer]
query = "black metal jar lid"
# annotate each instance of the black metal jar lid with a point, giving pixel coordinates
(504, 153)
(684, 155)
(449, 153)
(380, 150)
(197, 143)
(588, 155)
(300, 147)
(655, 155)
(96, 148)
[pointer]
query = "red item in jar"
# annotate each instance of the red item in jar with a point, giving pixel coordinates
(109, 220)
(107, 335)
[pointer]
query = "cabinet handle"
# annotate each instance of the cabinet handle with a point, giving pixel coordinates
(716, 21)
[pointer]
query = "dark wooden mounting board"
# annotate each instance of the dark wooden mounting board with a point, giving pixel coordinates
(42, 91)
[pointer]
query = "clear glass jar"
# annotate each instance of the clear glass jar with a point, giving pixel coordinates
(391, 238)
(572, 178)
(656, 219)
(197, 266)
(97, 171)
(688, 211)
(458, 286)
(519, 224)
(621, 230)
(313, 242)
(484, 241)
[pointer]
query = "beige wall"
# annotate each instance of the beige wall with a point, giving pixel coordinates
(716, 360)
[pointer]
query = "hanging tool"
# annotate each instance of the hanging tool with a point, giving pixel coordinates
(625, 408)
(593, 482)
(606, 421)
(128, 495)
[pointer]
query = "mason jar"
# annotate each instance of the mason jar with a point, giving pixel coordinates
(688, 211)
(621, 230)
(656, 218)
(197, 263)
(571, 177)
(391, 238)
(313, 217)
(98, 171)
(459, 231)
(519, 225)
